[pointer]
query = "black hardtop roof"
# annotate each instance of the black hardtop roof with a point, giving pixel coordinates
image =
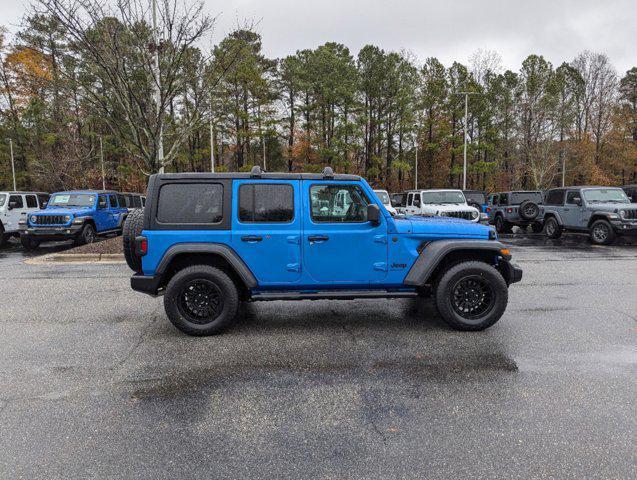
(247, 175)
(578, 187)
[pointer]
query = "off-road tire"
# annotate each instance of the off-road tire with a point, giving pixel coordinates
(472, 271)
(87, 235)
(501, 225)
(178, 313)
(552, 229)
(133, 226)
(602, 233)
(537, 227)
(528, 210)
(3, 236)
(29, 243)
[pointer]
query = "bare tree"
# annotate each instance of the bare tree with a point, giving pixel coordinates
(484, 62)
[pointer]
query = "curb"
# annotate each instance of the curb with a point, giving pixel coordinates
(78, 258)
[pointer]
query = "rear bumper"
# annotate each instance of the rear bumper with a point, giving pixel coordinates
(148, 284)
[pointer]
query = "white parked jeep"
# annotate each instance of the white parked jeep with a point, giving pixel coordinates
(383, 196)
(441, 203)
(16, 205)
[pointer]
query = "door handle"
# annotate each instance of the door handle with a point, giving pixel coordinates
(251, 238)
(318, 238)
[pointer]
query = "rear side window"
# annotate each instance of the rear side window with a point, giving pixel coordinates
(555, 197)
(266, 203)
(196, 203)
(112, 201)
(121, 199)
(17, 199)
(32, 202)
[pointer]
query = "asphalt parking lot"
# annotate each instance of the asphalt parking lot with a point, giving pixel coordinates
(95, 382)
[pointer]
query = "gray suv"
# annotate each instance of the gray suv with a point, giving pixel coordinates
(519, 208)
(602, 212)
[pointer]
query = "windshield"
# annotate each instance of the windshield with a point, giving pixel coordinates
(383, 196)
(475, 197)
(518, 197)
(3, 198)
(72, 200)
(614, 195)
(443, 197)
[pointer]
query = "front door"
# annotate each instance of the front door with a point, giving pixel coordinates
(102, 215)
(266, 229)
(340, 246)
(572, 212)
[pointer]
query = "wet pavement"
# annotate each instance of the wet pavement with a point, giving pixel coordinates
(95, 382)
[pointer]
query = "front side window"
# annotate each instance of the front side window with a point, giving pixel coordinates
(101, 202)
(572, 197)
(44, 200)
(603, 195)
(17, 201)
(443, 197)
(192, 203)
(338, 203)
(416, 199)
(72, 200)
(266, 203)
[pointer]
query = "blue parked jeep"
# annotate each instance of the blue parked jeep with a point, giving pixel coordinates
(77, 215)
(208, 241)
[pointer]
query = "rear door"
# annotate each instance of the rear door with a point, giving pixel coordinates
(266, 229)
(341, 246)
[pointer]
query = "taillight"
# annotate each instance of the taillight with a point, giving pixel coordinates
(488, 209)
(141, 245)
(509, 210)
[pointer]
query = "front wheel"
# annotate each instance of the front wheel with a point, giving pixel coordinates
(602, 233)
(201, 300)
(501, 225)
(29, 243)
(471, 296)
(87, 235)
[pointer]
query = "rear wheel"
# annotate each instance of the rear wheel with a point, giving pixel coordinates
(471, 296)
(602, 233)
(552, 229)
(201, 300)
(133, 226)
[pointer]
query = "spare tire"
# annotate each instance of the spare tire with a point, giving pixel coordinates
(133, 227)
(528, 210)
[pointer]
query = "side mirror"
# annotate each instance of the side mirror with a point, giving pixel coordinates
(12, 205)
(373, 214)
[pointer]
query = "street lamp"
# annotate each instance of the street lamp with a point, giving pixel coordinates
(12, 164)
(466, 116)
(416, 165)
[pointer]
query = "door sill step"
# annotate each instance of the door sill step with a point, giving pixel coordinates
(330, 295)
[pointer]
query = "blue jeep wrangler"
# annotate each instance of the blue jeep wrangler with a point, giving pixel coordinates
(77, 215)
(208, 241)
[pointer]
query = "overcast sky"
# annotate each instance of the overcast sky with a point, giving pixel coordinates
(447, 29)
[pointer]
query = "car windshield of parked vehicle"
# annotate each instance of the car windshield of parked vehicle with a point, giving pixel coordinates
(516, 198)
(72, 200)
(383, 196)
(606, 195)
(443, 197)
(475, 197)
(3, 198)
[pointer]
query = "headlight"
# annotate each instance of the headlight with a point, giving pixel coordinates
(622, 213)
(67, 218)
(474, 214)
(613, 215)
(78, 220)
(33, 218)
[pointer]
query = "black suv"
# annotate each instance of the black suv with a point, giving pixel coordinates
(519, 208)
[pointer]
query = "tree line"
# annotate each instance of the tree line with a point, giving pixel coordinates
(79, 86)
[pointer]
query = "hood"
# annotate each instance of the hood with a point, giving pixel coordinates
(73, 211)
(441, 227)
(451, 207)
(611, 207)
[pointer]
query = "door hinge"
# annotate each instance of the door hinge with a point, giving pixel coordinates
(293, 267)
(380, 266)
(380, 238)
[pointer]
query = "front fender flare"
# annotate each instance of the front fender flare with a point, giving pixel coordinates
(435, 252)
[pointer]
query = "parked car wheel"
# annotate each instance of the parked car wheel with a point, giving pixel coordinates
(528, 210)
(552, 229)
(29, 243)
(133, 226)
(87, 235)
(3, 238)
(602, 233)
(537, 227)
(471, 296)
(501, 225)
(201, 300)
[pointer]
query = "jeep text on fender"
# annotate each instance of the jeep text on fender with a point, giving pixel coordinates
(208, 241)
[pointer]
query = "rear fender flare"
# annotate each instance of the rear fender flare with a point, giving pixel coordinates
(431, 256)
(552, 213)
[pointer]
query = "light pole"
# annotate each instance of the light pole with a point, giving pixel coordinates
(15, 188)
(160, 149)
(466, 116)
(416, 169)
(212, 140)
(102, 162)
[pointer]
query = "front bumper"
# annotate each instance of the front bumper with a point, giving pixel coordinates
(51, 233)
(629, 228)
(148, 284)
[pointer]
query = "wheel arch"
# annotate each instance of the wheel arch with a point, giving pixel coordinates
(598, 216)
(552, 213)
